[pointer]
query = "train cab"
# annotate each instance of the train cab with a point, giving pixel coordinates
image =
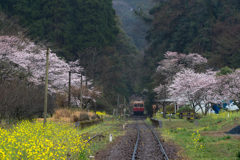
(138, 107)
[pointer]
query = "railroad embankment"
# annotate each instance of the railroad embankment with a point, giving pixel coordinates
(207, 138)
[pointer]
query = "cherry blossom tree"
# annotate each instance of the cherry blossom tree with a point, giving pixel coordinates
(160, 90)
(174, 62)
(229, 86)
(31, 59)
(199, 89)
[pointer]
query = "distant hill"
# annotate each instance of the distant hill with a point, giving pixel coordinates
(131, 23)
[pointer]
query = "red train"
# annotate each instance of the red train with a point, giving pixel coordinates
(138, 107)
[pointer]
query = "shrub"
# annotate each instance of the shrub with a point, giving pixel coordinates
(226, 137)
(84, 116)
(22, 100)
(94, 116)
(98, 116)
(170, 108)
(91, 114)
(224, 71)
(160, 110)
(238, 154)
(183, 109)
(74, 118)
(62, 113)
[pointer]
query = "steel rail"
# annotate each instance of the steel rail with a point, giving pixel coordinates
(135, 148)
(160, 144)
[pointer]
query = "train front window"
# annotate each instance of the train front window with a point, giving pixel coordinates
(141, 105)
(135, 105)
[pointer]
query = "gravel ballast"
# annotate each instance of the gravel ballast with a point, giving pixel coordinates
(148, 147)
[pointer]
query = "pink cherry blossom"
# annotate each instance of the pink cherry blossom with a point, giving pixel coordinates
(31, 58)
(198, 89)
(229, 85)
(174, 62)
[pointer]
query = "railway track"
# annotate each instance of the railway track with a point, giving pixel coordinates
(141, 144)
(138, 117)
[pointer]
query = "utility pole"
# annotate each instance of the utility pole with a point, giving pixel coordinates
(81, 93)
(95, 107)
(117, 104)
(69, 91)
(86, 77)
(46, 88)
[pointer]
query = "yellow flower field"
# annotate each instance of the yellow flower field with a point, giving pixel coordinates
(101, 113)
(32, 141)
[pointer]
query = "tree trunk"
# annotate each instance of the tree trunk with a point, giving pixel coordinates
(95, 107)
(81, 93)
(46, 88)
(69, 91)
(86, 78)
(202, 110)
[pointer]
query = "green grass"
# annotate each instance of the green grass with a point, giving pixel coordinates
(207, 140)
(116, 131)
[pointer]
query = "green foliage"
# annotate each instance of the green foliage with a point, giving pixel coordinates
(207, 27)
(238, 154)
(70, 25)
(170, 108)
(118, 69)
(224, 71)
(183, 109)
(148, 103)
(227, 137)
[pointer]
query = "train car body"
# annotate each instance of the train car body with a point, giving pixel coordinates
(138, 107)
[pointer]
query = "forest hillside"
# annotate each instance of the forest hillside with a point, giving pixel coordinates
(87, 30)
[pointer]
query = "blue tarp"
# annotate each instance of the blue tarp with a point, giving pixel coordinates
(217, 109)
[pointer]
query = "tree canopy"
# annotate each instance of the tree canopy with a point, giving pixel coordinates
(206, 27)
(70, 25)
